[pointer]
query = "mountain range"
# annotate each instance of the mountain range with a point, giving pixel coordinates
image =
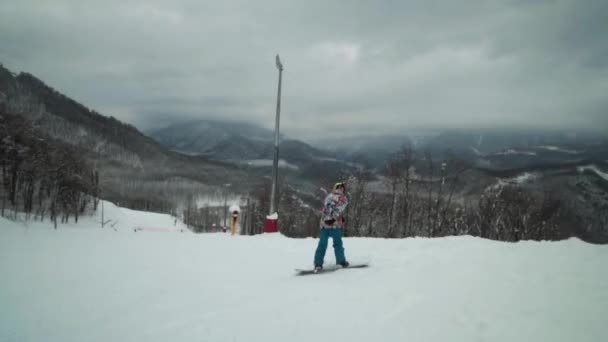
(238, 143)
(133, 167)
(173, 165)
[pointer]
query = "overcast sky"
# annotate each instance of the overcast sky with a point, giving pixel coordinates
(351, 67)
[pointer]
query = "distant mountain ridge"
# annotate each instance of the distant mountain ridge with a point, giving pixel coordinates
(503, 148)
(201, 136)
(123, 154)
(233, 141)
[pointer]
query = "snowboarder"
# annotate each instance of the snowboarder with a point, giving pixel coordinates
(331, 224)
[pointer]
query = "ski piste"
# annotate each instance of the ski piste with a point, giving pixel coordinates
(333, 268)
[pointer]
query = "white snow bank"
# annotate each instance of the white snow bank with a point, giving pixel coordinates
(595, 169)
(269, 162)
(102, 285)
(557, 149)
(524, 178)
(514, 152)
(114, 217)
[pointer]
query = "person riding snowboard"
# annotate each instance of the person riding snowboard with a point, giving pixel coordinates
(331, 224)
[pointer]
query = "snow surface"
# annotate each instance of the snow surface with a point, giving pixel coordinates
(91, 284)
(595, 169)
(557, 149)
(513, 152)
(523, 178)
(114, 217)
(269, 162)
(217, 200)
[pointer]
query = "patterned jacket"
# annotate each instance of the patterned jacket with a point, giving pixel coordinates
(333, 208)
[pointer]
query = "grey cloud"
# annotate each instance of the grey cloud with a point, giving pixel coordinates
(366, 66)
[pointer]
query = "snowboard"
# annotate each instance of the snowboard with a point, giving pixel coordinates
(328, 269)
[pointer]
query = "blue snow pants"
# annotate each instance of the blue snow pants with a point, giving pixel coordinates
(336, 235)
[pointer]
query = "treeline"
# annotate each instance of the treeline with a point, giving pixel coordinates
(211, 214)
(216, 218)
(40, 177)
(296, 218)
(419, 196)
(429, 198)
(505, 213)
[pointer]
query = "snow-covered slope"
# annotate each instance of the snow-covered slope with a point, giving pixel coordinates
(114, 218)
(76, 284)
(595, 169)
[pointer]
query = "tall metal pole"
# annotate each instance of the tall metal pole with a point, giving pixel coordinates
(275, 164)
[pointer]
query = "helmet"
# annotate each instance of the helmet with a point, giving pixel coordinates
(340, 185)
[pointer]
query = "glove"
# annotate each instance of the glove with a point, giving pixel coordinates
(330, 222)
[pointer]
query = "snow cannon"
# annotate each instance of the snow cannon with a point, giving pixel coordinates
(271, 224)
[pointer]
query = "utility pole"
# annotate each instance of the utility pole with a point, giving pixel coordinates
(271, 224)
(275, 164)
